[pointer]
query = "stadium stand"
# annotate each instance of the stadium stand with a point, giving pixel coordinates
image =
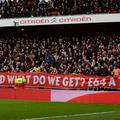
(32, 8)
(63, 54)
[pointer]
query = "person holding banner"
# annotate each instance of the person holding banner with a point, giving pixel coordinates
(20, 82)
(116, 71)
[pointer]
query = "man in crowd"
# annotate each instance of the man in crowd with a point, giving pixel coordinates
(92, 55)
(32, 8)
(116, 71)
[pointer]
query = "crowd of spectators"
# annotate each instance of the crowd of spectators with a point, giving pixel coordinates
(63, 54)
(32, 8)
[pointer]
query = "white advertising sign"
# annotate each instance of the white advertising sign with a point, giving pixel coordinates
(57, 20)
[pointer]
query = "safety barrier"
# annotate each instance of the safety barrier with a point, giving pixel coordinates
(82, 96)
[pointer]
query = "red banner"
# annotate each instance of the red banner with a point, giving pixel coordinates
(72, 81)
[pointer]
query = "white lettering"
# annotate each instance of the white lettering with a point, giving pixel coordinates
(71, 82)
(28, 78)
(90, 82)
(83, 82)
(11, 79)
(51, 80)
(2, 79)
(96, 82)
(58, 81)
(42, 80)
(77, 79)
(35, 79)
(112, 82)
(103, 82)
(39, 80)
(65, 81)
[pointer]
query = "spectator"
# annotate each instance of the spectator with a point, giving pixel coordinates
(116, 71)
(92, 55)
(33, 8)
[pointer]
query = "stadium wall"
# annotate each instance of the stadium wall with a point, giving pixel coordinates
(25, 94)
(81, 96)
(95, 97)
